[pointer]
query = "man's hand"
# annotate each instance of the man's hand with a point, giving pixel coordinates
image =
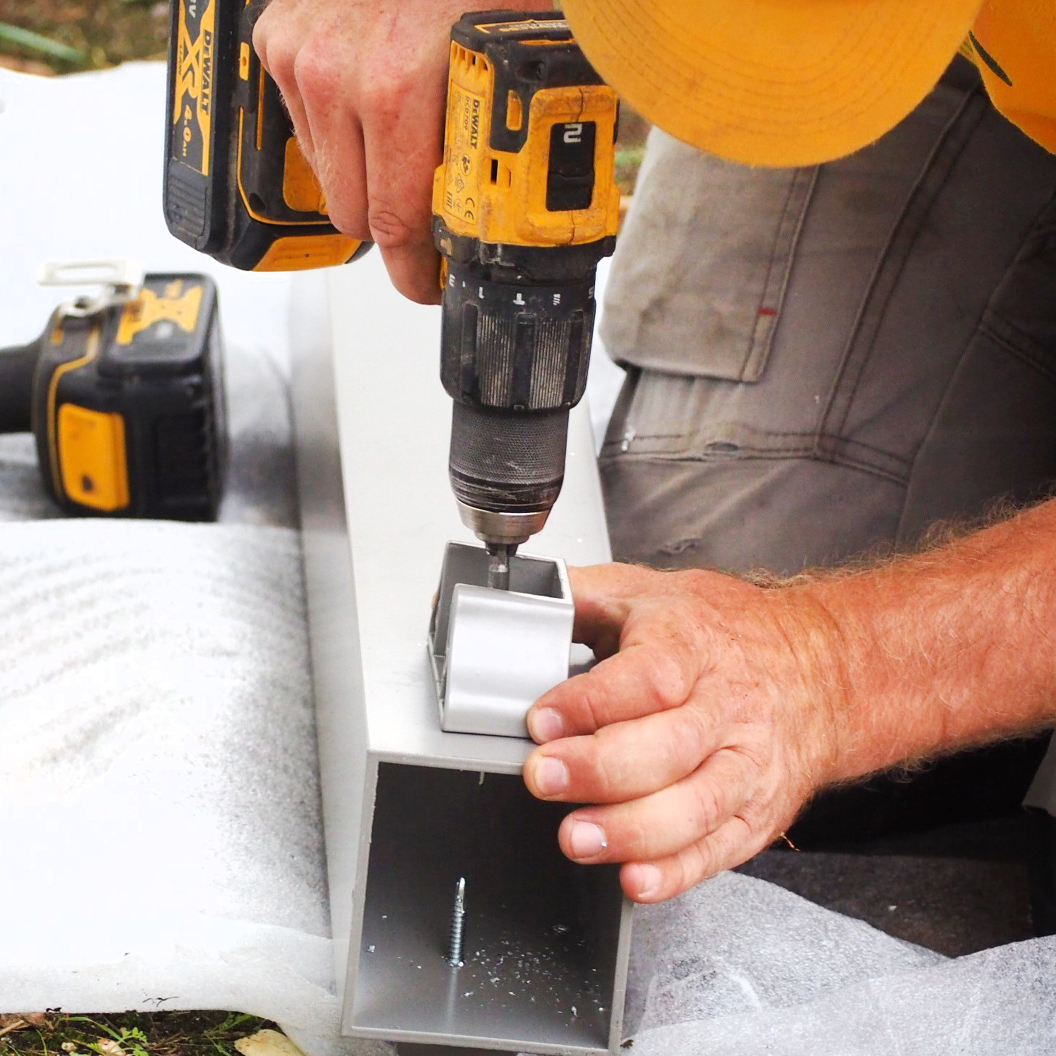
(701, 733)
(719, 707)
(365, 84)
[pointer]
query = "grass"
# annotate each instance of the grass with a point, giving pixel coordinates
(128, 1034)
(64, 36)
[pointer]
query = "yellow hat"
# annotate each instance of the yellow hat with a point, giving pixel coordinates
(772, 82)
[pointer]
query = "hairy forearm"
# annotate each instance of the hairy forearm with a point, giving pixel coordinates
(719, 707)
(945, 649)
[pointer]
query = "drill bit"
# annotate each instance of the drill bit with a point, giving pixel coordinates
(499, 555)
(454, 949)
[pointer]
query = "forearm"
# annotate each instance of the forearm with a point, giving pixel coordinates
(942, 650)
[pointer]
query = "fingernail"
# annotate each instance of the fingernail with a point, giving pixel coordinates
(643, 880)
(545, 725)
(551, 776)
(586, 839)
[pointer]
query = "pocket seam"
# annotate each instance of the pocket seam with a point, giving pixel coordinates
(786, 238)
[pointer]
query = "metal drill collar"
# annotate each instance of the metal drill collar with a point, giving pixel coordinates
(509, 529)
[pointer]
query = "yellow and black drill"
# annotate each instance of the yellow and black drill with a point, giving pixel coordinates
(525, 204)
(236, 183)
(124, 394)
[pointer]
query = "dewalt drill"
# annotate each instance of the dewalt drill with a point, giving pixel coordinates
(124, 395)
(236, 183)
(525, 204)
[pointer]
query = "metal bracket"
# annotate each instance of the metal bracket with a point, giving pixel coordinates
(495, 652)
(119, 280)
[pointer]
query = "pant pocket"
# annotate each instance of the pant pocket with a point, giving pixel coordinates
(700, 224)
(907, 378)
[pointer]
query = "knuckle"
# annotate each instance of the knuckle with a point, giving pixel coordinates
(630, 836)
(385, 89)
(345, 213)
(263, 36)
(601, 769)
(317, 70)
(665, 674)
(698, 731)
(591, 705)
(278, 56)
(388, 228)
(637, 839)
(706, 807)
(696, 863)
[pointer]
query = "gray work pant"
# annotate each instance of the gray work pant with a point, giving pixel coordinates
(824, 362)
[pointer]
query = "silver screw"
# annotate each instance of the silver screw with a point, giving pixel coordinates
(454, 949)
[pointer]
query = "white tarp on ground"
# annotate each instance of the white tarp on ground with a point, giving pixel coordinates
(159, 810)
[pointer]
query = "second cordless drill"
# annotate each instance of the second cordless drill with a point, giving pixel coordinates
(525, 204)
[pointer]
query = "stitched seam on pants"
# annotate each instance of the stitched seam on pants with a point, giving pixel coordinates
(934, 174)
(797, 202)
(1022, 348)
(805, 453)
(998, 329)
(731, 439)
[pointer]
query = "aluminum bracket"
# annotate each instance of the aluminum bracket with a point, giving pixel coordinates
(495, 652)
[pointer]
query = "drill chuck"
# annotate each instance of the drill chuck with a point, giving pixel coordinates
(506, 469)
(514, 359)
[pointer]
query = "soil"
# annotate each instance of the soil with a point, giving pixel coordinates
(104, 32)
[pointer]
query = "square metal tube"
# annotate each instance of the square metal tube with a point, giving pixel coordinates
(409, 808)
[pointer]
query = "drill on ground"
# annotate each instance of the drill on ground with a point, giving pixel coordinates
(124, 395)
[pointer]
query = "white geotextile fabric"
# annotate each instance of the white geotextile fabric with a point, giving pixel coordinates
(159, 817)
(158, 785)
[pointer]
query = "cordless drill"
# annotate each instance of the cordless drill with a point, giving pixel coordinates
(525, 204)
(124, 394)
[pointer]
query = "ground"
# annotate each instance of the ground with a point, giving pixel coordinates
(129, 1034)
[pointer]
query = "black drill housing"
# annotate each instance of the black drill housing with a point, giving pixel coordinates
(518, 318)
(515, 348)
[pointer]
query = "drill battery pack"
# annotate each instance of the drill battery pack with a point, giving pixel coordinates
(236, 183)
(126, 400)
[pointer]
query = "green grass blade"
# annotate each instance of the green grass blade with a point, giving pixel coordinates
(26, 38)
